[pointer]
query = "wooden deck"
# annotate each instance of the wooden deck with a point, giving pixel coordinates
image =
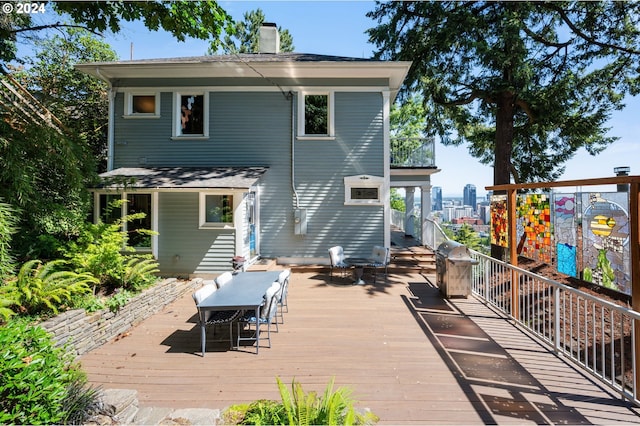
(409, 355)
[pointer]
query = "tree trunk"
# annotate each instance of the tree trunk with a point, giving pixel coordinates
(504, 138)
(502, 150)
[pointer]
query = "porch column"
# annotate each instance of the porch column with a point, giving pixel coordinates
(409, 213)
(425, 206)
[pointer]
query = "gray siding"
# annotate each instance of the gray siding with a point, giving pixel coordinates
(245, 129)
(320, 170)
(255, 129)
(182, 247)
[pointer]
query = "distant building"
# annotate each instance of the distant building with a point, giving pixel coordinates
(436, 192)
(469, 196)
(484, 211)
(467, 220)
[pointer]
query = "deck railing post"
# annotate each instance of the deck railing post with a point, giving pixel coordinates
(634, 221)
(556, 319)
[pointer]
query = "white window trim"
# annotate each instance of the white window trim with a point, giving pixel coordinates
(124, 211)
(363, 181)
(128, 105)
(176, 115)
(301, 121)
(202, 215)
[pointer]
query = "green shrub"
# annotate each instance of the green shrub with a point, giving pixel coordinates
(300, 408)
(98, 251)
(45, 287)
(88, 302)
(39, 384)
(102, 250)
(118, 300)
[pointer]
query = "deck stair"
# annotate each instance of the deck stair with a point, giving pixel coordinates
(416, 260)
(407, 256)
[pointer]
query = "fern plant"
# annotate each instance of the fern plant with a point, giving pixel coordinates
(39, 287)
(8, 299)
(334, 408)
(139, 271)
(300, 408)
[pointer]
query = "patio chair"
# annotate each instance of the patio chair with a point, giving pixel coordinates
(283, 279)
(267, 316)
(214, 318)
(223, 278)
(380, 258)
(336, 256)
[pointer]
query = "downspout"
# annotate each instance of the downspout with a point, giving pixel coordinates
(111, 113)
(293, 152)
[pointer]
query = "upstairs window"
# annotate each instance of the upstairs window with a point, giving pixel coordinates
(142, 105)
(315, 116)
(192, 117)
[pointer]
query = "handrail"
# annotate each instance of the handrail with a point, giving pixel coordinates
(432, 234)
(595, 334)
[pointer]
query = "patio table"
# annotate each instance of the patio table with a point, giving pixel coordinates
(245, 291)
(358, 263)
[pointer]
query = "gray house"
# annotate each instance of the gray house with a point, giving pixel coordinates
(273, 155)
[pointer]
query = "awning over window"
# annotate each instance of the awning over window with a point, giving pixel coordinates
(182, 177)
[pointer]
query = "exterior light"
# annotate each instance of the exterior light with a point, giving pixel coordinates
(622, 171)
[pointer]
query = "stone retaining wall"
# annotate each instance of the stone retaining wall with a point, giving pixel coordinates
(84, 331)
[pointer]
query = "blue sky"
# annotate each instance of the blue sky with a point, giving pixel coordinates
(338, 28)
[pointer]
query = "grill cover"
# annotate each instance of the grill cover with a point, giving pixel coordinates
(453, 250)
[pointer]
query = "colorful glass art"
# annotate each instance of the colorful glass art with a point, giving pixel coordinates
(564, 227)
(605, 240)
(533, 227)
(499, 219)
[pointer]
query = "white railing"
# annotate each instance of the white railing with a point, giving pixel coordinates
(597, 335)
(432, 234)
(397, 219)
(412, 152)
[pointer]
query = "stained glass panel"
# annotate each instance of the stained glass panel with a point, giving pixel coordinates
(564, 227)
(533, 227)
(605, 240)
(499, 229)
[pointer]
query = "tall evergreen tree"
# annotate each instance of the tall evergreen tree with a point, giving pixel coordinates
(523, 84)
(245, 35)
(78, 100)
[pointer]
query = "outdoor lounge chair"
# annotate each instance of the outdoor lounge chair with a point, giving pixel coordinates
(336, 257)
(283, 279)
(267, 316)
(223, 278)
(380, 258)
(214, 318)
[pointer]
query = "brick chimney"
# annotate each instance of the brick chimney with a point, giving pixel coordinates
(269, 38)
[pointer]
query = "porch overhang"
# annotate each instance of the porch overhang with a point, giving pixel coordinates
(159, 178)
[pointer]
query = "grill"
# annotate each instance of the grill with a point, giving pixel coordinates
(453, 269)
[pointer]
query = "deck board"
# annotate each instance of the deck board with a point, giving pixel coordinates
(381, 341)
